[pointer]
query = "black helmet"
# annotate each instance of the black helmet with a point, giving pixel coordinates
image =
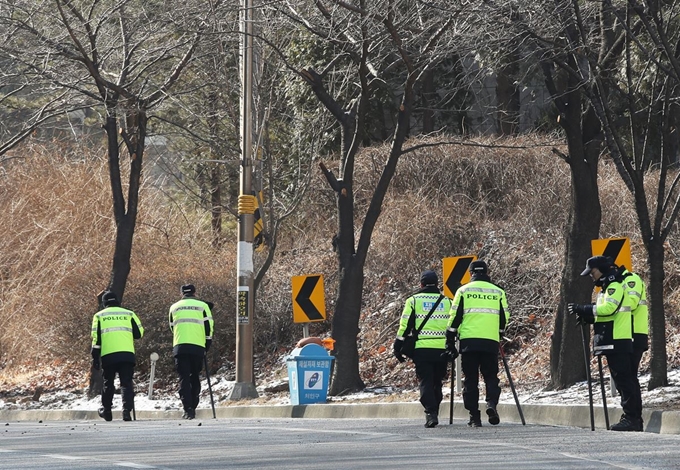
(188, 289)
(602, 263)
(478, 267)
(429, 278)
(110, 299)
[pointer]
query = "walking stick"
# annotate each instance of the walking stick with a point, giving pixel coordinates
(512, 385)
(207, 376)
(604, 394)
(453, 377)
(590, 383)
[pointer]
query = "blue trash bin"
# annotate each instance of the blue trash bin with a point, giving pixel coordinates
(309, 370)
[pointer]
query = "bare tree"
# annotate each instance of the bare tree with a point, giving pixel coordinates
(366, 43)
(641, 119)
(570, 42)
(119, 59)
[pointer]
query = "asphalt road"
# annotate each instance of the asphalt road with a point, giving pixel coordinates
(325, 444)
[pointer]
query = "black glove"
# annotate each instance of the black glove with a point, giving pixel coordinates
(208, 343)
(398, 343)
(451, 350)
(451, 337)
(584, 313)
(96, 358)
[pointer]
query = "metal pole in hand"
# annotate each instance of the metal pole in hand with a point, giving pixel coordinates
(590, 383)
(207, 376)
(453, 377)
(604, 393)
(512, 385)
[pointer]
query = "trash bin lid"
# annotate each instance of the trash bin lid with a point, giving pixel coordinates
(313, 350)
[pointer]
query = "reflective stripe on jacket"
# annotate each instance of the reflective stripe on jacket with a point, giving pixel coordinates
(433, 334)
(112, 330)
(191, 322)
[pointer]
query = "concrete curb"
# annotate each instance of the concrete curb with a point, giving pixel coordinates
(662, 422)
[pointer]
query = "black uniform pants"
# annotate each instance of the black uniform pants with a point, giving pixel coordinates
(621, 369)
(472, 364)
(636, 357)
(189, 367)
(125, 370)
(431, 375)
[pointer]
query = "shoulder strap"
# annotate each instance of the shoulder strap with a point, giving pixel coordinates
(429, 314)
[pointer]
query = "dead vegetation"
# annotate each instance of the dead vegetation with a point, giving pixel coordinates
(506, 205)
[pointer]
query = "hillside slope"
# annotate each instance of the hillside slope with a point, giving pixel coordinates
(508, 206)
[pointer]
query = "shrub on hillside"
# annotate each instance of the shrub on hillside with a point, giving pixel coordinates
(508, 206)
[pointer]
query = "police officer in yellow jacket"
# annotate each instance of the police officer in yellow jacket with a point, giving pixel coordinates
(114, 330)
(192, 325)
(613, 334)
(479, 314)
(637, 293)
(431, 364)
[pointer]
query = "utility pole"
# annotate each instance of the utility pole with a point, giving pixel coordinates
(245, 380)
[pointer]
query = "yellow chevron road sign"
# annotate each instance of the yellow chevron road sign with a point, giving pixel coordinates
(309, 304)
(456, 273)
(617, 249)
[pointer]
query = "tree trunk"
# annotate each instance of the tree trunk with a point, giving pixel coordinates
(507, 94)
(120, 269)
(351, 262)
(657, 321)
(345, 326)
(584, 141)
(125, 216)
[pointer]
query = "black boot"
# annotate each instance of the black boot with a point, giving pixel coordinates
(475, 419)
(431, 420)
(126, 415)
(626, 424)
(491, 412)
(105, 413)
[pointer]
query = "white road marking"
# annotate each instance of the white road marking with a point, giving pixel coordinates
(75, 457)
(63, 457)
(132, 465)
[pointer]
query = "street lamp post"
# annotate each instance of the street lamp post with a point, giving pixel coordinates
(245, 382)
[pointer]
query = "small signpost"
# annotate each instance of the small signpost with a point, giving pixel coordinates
(154, 357)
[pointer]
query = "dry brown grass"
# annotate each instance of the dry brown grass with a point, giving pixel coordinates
(509, 206)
